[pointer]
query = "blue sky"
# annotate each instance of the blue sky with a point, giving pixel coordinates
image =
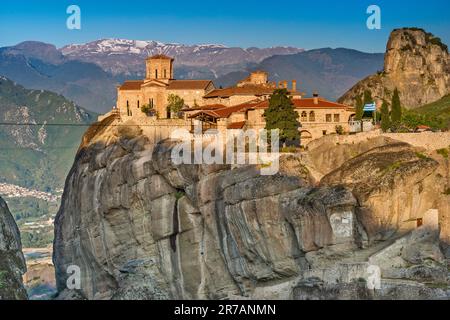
(246, 23)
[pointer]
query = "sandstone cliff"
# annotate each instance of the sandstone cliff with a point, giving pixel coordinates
(140, 227)
(416, 63)
(12, 262)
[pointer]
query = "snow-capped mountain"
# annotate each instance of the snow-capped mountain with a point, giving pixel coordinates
(125, 57)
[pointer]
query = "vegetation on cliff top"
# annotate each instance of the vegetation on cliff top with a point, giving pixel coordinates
(429, 37)
(282, 115)
(439, 109)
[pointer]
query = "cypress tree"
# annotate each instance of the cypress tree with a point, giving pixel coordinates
(368, 97)
(385, 117)
(396, 108)
(359, 108)
(281, 115)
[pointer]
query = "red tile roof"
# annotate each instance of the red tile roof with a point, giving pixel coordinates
(188, 84)
(308, 103)
(132, 85)
(247, 90)
(322, 103)
(227, 111)
(236, 125)
(298, 104)
(240, 91)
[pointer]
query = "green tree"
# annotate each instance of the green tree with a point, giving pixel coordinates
(385, 117)
(396, 107)
(146, 108)
(368, 97)
(281, 115)
(174, 103)
(359, 108)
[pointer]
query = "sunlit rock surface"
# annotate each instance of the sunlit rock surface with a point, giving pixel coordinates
(139, 227)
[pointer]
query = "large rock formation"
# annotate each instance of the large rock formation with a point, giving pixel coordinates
(417, 63)
(12, 262)
(140, 227)
(394, 184)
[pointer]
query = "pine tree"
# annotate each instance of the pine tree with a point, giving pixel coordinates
(281, 115)
(385, 117)
(396, 107)
(359, 108)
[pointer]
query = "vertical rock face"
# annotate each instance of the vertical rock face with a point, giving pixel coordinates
(139, 227)
(12, 262)
(417, 63)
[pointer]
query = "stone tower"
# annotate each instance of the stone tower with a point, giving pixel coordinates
(160, 67)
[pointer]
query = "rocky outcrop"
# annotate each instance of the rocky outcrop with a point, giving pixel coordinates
(140, 227)
(395, 185)
(12, 262)
(417, 63)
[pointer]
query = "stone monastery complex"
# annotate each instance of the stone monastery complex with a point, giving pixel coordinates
(239, 107)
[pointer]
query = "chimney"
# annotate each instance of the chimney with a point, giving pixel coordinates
(294, 85)
(316, 97)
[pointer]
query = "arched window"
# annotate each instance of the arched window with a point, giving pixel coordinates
(312, 116)
(304, 117)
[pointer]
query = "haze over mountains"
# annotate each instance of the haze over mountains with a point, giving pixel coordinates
(88, 73)
(39, 136)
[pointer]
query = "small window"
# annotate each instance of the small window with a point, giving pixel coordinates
(324, 132)
(312, 116)
(304, 117)
(328, 117)
(139, 104)
(165, 74)
(337, 118)
(156, 73)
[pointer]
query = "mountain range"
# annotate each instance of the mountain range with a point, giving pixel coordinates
(121, 57)
(89, 73)
(40, 132)
(330, 72)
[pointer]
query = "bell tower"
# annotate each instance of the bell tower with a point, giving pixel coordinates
(159, 67)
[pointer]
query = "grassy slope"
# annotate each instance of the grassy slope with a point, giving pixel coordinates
(440, 108)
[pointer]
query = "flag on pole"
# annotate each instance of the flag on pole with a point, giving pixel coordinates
(370, 107)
